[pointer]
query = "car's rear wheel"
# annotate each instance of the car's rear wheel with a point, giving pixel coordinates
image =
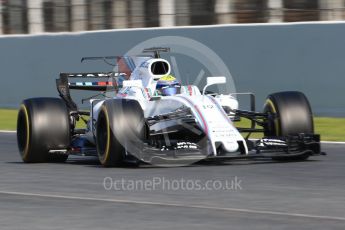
(43, 125)
(291, 115)
(120, 132)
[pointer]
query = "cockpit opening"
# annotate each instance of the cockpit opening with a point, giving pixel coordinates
(159, 68)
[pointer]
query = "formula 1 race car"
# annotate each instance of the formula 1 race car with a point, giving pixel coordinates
(146, 115)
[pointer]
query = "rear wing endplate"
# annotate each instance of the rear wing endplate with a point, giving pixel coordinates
(63, 85)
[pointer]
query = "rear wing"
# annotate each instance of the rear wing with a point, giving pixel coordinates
(103, 80)
(64, 85)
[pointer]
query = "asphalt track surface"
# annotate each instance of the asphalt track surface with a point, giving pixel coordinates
(271, 195)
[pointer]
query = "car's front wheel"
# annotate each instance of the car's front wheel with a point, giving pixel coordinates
(291, 115)
(120, 132)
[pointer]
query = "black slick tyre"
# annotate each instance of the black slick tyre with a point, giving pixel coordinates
(291, 115)
(120, 132)
(43, 125)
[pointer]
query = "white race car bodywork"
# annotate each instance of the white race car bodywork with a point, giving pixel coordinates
(141, 113)
(207, 110)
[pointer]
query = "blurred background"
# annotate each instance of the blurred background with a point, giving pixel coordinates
(37, 16)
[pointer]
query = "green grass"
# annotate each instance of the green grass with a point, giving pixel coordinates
(8, 119)
(331, 129)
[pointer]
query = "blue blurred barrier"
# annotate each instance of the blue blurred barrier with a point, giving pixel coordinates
(309, 57)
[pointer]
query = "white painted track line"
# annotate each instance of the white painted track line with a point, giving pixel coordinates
(333, 142)
(176, 205)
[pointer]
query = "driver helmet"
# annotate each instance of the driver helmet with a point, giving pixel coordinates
(168, 85)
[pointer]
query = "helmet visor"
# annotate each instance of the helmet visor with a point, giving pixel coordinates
(170, 90)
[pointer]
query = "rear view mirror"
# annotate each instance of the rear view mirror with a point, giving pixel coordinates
(214, 81)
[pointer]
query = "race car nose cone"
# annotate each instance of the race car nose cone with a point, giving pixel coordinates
(230, 146)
